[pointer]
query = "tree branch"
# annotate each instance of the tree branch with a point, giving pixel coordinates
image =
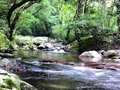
(13, 7)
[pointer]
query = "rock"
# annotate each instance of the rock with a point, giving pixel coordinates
(7, 65)
(116, 60)
(12, 82)
(6, 55)
(110, 53)
(49, 46)
(33, 47)
(58, 48)
(40, 47)
(31, 40)
(90, 56)
(66, 48)
(59, 51)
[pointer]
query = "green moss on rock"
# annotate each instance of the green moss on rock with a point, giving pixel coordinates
(12, 82)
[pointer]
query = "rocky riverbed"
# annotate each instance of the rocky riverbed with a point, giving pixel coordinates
(9, 64)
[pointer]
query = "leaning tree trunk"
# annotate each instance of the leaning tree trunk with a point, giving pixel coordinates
(76, 17)
(12, 23)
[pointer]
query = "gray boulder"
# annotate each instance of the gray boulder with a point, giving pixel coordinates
(90, 56)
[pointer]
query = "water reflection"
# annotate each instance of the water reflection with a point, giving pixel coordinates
(40, 55)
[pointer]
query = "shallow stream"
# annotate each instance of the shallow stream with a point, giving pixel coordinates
(57, 76)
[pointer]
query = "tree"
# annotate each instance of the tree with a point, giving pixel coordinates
(14, 12)
(118, 14)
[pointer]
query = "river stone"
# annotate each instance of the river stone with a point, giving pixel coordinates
(9, 81)
(90, 56)
(110, 53)
(7, 65)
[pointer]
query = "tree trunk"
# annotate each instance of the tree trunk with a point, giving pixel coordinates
(85, 7)
(118, 23)
(78, 10)
(118, 14)
(12, 23)
(76, 17)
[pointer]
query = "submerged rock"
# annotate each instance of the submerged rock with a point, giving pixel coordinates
(90, 56)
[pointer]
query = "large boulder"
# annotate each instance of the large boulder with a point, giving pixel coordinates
(10, 81)
(90, 56)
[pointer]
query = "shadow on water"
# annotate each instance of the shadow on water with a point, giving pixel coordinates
(56, 76)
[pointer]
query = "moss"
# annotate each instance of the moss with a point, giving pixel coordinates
(12, 82)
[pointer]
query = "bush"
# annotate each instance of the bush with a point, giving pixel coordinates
(4, 42)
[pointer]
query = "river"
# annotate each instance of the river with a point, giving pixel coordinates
(57, 76)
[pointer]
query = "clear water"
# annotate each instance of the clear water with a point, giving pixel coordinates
(47, 55)
(56, 76)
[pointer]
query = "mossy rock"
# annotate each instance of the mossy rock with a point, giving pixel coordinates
(12, 82)
(110, 53)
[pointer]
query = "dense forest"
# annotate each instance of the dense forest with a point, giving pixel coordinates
(78, 21)
(60, 44)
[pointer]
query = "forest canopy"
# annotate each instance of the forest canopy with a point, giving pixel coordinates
(66, 20)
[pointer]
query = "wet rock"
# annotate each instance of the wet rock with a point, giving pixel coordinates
(8, 65)
(6, 55)
(90, 56)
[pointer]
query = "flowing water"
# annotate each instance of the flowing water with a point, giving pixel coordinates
(56, 76)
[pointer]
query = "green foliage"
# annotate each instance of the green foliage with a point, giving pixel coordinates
(59, 32)
(66, 13)
(57, 18)
(3, 27)
(4, 42)
(25, 22)
(3, 8)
